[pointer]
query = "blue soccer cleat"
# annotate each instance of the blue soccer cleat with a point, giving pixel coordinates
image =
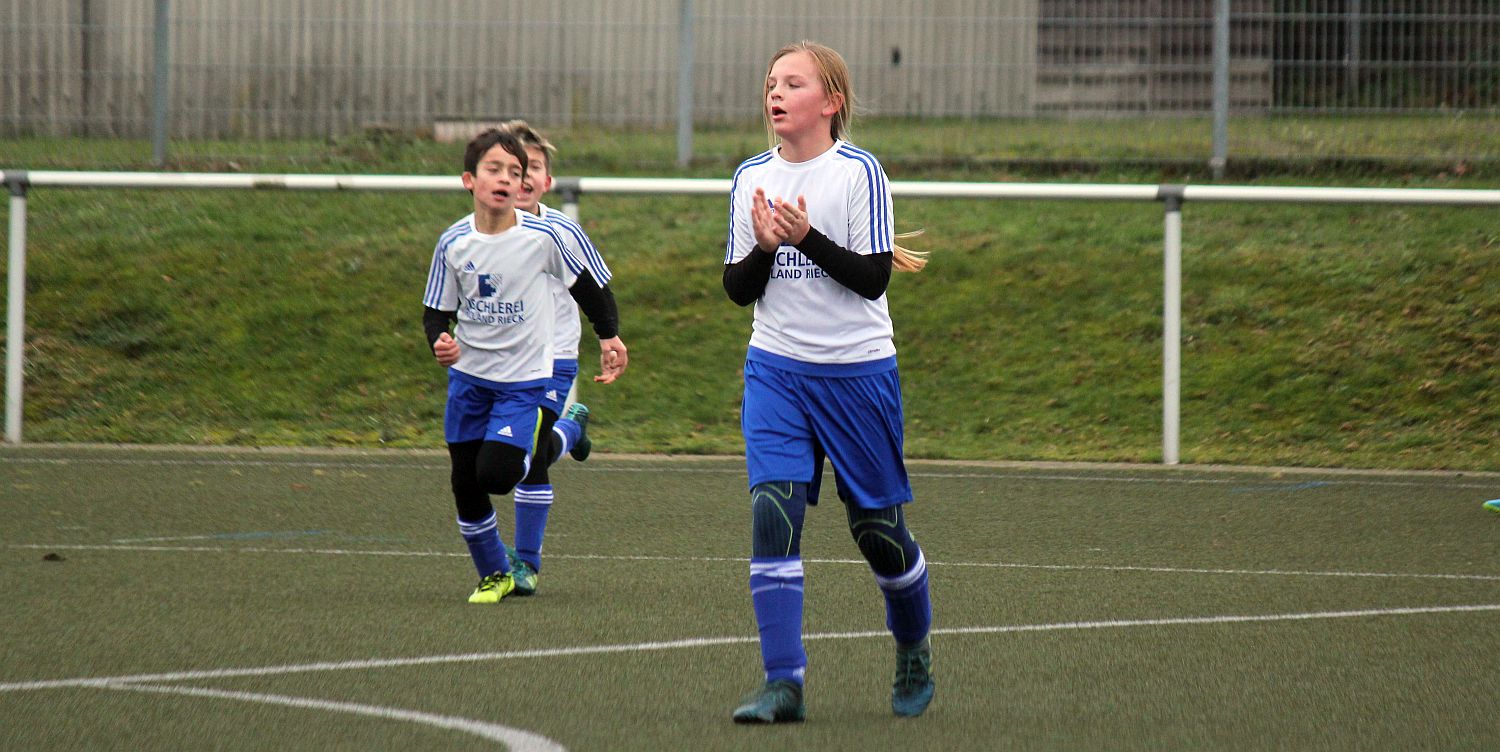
(913, 688)
(1493, 505)
(778, 701)
(521, 573)
(579, 413)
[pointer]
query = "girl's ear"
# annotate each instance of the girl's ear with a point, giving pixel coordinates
(468, 179)
(834, 103)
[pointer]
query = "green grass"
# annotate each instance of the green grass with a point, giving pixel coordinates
(1073, 608)
(1461, 143)
(1319, 336)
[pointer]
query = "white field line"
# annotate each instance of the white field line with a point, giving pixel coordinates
(732, 559)
(514, 739)
(703, 642)
(1305, 478)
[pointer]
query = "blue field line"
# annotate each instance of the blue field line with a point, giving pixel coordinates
(252, 535)
(1276, 487)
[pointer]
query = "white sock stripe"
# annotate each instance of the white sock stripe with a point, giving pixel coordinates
(907, 578)
(767, 588)
(780, 570)
(474, 528)
(534, 497)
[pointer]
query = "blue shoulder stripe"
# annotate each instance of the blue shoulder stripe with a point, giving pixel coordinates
(533, 222)
(435, 276)
(880, 241)
(591, 257)
(754, 161)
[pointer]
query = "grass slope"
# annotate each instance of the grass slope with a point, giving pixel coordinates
(1326, 336)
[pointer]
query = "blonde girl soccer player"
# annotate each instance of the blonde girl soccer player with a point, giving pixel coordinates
(561, 432)
(812, 245)
(490, 273)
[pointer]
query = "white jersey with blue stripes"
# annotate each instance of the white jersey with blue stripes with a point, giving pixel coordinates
(568, 326)
(804, 314)
(500, 287)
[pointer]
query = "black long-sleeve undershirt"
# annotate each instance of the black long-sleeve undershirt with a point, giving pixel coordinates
(745, 280)
(435, 323)
(867, 275)
(596, 302)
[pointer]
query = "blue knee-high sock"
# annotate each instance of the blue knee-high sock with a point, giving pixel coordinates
(776, 592)
(566, 431)
(908, 606)
(532, 505)
(485, 546)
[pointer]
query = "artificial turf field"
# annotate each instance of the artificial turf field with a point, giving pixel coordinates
(160, 598)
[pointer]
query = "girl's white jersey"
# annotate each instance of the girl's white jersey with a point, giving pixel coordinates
(500, 286)
(804, 314)
(568, 327)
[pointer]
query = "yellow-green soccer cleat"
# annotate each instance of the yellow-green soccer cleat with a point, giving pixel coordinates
(913, 689)
(521, 573)
(778, 701)
(1493, 505)
(492, 588)
(579, 413)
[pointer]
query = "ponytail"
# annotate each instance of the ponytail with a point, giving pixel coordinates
(907, 260)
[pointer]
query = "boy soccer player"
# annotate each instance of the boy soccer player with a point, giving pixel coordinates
(565, 435)
(489, 273)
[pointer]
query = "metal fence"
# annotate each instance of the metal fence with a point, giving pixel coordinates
(318, 68)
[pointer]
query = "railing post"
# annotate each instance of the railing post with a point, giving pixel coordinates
(568, 190)
(15, 310)
(1171, 318)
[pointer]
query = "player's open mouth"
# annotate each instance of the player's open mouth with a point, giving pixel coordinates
(777, 111)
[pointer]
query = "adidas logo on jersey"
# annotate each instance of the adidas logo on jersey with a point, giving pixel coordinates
(469, 267)
(505, 431)
(551, 394)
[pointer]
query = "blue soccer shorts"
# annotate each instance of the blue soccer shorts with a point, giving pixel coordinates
(492, 411)
(792, 419)
(564, 372)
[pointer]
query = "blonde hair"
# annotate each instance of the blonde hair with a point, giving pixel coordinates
(833, 73)
(529, 137)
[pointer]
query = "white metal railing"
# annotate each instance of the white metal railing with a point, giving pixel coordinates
(19, 182)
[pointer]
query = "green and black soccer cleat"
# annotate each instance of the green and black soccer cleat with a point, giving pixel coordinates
(579, 413)
(779, 701)
(521, 573)
(913, 688)
(524, 577)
